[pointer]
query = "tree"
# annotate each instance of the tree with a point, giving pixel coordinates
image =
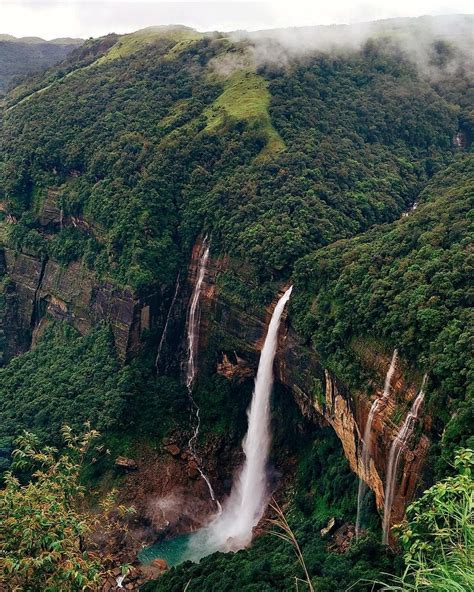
(438, 535)
(45, 540)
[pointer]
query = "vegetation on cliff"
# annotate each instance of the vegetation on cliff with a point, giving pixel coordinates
(407, 285)
(47, 540)
(438, 535)
(66, 378)
(309, 169)
(158, 143)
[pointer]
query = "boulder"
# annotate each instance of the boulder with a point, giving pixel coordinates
(126, 463)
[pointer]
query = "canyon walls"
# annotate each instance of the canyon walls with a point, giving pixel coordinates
(231, 337)
(43, 289)
(320, 395)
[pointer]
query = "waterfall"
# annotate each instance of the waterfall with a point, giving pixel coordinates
(366, 442)
(194, 318)
(193, 321)
(232, 530)
(399, 443)
(165, 328)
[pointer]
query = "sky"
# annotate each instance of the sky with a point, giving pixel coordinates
(92, 18)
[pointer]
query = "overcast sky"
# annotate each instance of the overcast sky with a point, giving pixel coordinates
(86, 18)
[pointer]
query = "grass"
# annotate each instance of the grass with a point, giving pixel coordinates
(133, 42)
(246, 97)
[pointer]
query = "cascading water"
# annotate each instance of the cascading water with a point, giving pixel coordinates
(193, 320)
(366, 442)
(232, 530)
(399, 443)
(165, 328)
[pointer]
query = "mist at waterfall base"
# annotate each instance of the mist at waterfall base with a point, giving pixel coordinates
(231, 529)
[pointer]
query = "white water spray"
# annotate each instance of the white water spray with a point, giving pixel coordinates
(399, 443)
(193, 323)
(232, 530)
(366, 442)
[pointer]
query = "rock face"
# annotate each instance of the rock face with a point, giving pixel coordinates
(45, 289)
(229, 342)
(320, 395)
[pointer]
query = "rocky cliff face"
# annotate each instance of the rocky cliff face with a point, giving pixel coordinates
(320, 395)
(229, 342)
(42, 289)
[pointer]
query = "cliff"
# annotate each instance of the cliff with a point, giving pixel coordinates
(43, 289)
(231, 336)
(320, 395)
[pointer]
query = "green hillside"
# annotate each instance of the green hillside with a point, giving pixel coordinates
(343, 169)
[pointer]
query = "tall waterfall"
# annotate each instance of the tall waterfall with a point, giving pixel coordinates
(193, 322)
(194, 318)
(366, 442)
(232, 530)
(399, 443)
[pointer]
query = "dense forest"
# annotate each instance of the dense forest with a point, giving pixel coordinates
(346, 172)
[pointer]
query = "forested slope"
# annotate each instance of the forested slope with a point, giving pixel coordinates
(346, 172)
(22, 57)
(148, 148)
(404, 285)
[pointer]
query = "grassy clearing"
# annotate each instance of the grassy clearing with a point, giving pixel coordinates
(129, 44)
(246, 97)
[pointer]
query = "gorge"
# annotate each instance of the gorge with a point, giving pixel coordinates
(160, 192)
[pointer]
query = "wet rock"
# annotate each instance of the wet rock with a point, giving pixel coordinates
(330, 527)
(343, 538)
(160, 564)
(192, 470)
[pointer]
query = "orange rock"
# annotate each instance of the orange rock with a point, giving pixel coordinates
(173, 449)
(160, 564)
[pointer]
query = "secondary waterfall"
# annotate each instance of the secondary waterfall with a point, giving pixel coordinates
(366, 442)
(244, 508)
(165, 328)
(193, 322)
(396, 449)
(194, 318)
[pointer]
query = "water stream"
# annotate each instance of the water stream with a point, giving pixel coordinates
(193, 324)
(232, 529)
(398, 445)
(366, 442)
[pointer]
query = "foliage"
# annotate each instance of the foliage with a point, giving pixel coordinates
(150, 142)
(19, 58)
(438, 535)
(66, 378)
(408, 285)
(283, 531)
(42, 533)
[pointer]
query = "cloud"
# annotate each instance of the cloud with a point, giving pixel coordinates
(84, 18)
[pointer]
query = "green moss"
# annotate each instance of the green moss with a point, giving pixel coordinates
(318, 392)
